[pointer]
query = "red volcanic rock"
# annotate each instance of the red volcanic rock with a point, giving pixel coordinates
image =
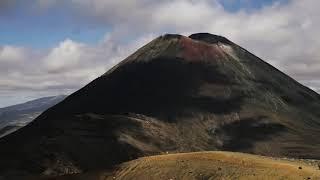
(199, 51)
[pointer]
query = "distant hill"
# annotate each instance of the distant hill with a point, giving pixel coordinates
(176, 94)
(17, 116)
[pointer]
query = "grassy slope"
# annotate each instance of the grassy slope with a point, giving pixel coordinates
(208, 165)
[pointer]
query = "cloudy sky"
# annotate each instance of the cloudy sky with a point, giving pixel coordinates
(51, 47)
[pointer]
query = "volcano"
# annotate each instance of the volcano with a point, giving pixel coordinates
(176, 94)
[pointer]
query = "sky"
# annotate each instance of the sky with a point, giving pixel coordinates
(52, 47)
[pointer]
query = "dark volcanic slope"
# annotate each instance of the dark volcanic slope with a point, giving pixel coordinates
(175, 94)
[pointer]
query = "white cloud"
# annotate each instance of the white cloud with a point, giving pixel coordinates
(67, 55)
(60, 70)
(11, 54)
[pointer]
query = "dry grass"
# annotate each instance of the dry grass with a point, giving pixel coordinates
(213, 165)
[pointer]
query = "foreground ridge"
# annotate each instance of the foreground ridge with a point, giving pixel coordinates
(208, 165)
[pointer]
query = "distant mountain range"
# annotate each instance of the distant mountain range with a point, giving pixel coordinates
(17, 116)
(176, 94)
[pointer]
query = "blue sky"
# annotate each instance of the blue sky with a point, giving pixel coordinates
(52, 47)
(248, 5)
(22, 26)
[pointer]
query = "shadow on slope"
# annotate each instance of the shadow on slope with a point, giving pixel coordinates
(243, 134)
(162, 88)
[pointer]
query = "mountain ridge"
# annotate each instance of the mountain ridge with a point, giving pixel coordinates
(175, 94)
(16, 116)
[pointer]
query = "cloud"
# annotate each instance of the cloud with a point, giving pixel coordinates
(11, 54)
(283, 34)
(60, 70)
(67, 55)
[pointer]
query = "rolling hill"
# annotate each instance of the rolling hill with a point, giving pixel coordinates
(176, 94)
(214, 165)
(206, 165)
(203, 165)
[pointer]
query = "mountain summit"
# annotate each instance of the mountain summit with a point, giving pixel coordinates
(210, 38)
(175, 94)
